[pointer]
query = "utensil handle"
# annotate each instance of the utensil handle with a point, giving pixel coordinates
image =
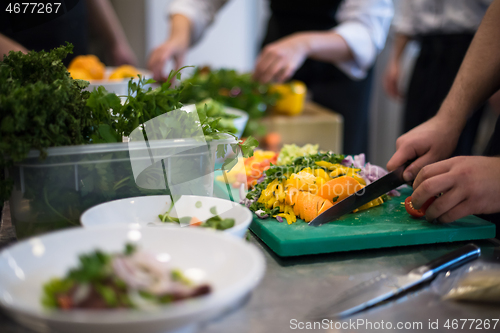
(450, 260)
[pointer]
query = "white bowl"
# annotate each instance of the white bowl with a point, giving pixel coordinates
(231, 266)
(144, 211)
(119, 87)
(240, 122)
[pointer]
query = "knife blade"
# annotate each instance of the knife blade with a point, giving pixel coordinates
(374, 291)
(368, 193)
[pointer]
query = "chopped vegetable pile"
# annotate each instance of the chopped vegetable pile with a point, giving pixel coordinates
(310, 185)
(132, 279)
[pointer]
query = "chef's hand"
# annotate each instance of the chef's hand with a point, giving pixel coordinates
(469, 185)
(279, 60)
(172, 49)
(391, 79)
(429, 142)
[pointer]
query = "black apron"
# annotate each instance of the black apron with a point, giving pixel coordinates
(47, 31)
(435, 69)
(329, 86)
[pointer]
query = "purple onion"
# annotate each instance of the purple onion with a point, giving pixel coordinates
(280, 219)
(261, 179)
(261, 214)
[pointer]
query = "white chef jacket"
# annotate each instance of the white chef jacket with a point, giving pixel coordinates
(423, 17)
(363, 24)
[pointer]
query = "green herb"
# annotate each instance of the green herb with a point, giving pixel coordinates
(218, 223)
(54, 288)
(93, 267)
(130, 249)
(177, 275)
(108, 294)
(231, 89)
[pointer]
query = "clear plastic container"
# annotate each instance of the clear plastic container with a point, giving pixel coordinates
(52, 193)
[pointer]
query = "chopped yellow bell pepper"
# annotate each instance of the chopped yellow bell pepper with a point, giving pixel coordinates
(373, 203)
(321, 173)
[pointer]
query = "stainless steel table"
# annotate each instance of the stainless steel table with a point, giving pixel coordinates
(292, 287)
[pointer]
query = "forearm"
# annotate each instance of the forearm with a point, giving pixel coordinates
(7, 44)
(180, 29)
(479, 74)
(400, 42)
(105, 21)
(327, 46)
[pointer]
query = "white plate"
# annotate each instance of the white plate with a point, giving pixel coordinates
(144, 211)
(231, 266)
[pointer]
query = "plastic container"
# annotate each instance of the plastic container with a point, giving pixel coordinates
(52, 193)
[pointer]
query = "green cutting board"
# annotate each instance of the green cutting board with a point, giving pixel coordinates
(387, 225)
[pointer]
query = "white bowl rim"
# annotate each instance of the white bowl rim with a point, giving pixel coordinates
(237, 227)
(169, 311)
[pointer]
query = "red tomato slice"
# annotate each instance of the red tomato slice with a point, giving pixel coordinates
(417, 213)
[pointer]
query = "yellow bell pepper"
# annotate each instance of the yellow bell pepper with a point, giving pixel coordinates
(292, 97)
(373, 203)
(321, 173)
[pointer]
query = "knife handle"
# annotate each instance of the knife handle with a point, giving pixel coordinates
(450, 260)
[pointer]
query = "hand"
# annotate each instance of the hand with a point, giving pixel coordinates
(391, 79)
(122, 54)
(470, 185)
(174, 48)
(430, 142)
(279, 60)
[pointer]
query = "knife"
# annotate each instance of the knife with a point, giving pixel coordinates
(368, 193)
(376, 290)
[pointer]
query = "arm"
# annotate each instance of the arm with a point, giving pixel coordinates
(188, 20)
(393, 69)
(174, 48)
(279, 60)
(477, 79)
(106, 22)
(7, 44)
(468, 184)
(352, 45)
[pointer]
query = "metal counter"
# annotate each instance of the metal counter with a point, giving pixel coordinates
(292, 287)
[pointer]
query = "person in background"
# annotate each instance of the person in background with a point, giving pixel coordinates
(330, 45)
(468, 184)
(444, 30)
(22, 32)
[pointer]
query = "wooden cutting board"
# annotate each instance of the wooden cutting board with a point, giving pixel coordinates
(387, 225)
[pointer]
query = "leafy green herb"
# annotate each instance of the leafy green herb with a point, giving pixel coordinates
(93, 267)
(178, 276)
(108, 294)
(52, 289)
(130, 249)
(231, 89)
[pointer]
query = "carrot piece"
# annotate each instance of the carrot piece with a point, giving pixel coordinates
(340, 187)
(195, 222)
